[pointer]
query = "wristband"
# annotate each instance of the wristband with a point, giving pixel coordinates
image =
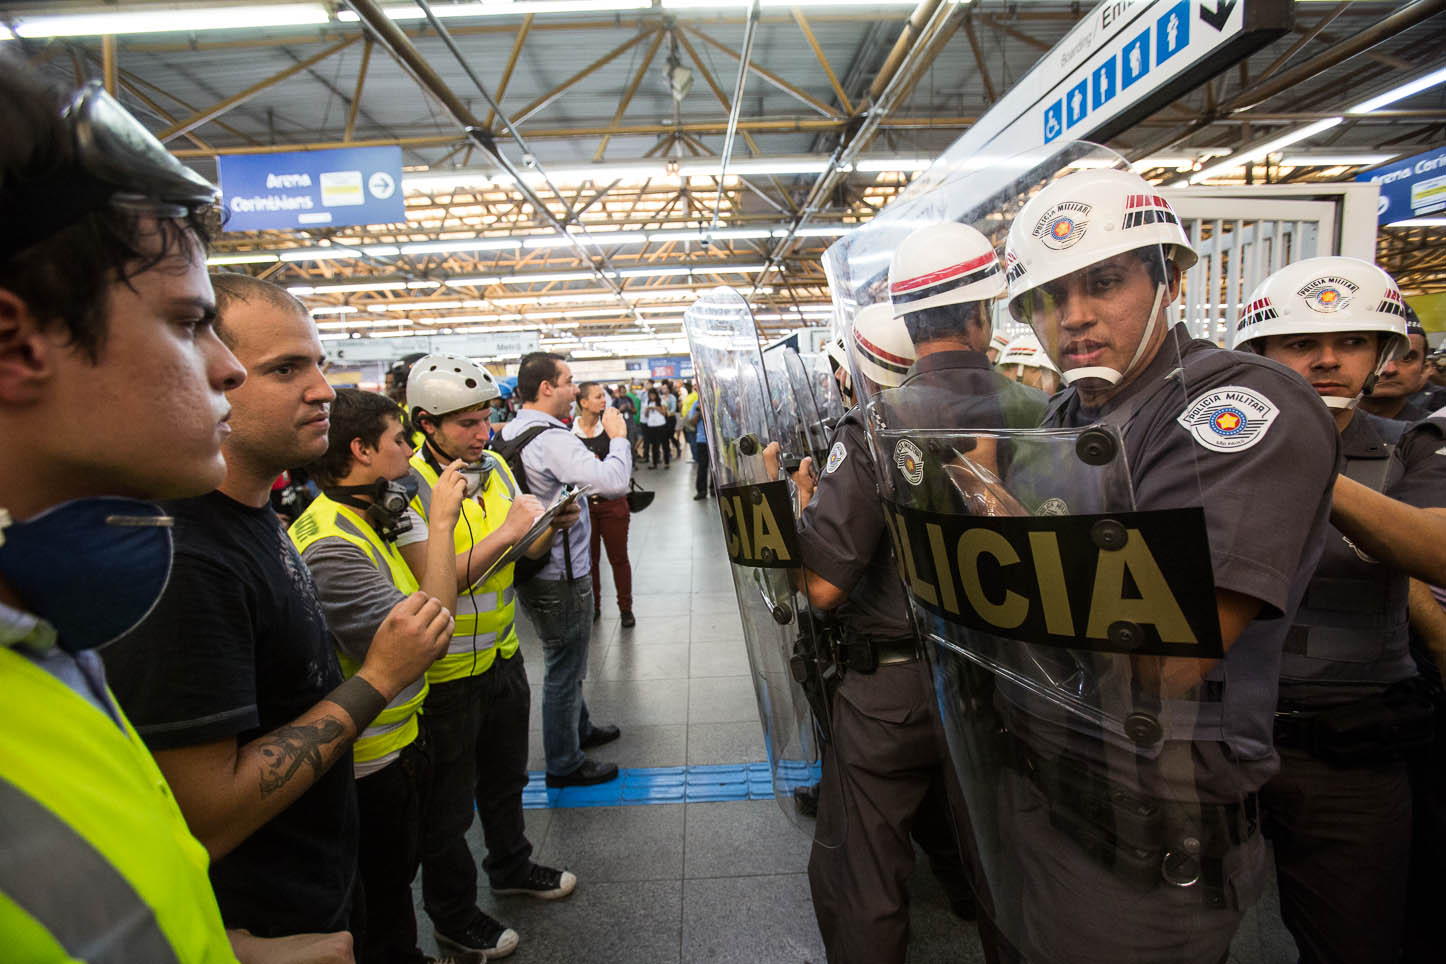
(360, 700)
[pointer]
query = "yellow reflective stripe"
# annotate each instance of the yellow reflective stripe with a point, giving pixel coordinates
(375, 746)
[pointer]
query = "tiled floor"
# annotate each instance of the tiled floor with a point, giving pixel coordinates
(696, 883)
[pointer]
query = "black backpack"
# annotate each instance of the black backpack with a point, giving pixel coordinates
(510, 451)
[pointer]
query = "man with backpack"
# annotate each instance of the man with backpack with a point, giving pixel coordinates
(545, 457)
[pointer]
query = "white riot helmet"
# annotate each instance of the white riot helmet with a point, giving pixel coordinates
(1079, 220)
(1326, 295)
(881, 349)
(441, 384)
(944, 264)
(838, 361)
(1027, 351)
(998, 343)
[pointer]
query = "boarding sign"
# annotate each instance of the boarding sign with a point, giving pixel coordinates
(312, 189)
(509, 344)
(1412, 187)
(1122, 62)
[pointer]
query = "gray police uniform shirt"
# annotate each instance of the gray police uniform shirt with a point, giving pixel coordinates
(842, 531)
(1351, 637)
(1266, 495)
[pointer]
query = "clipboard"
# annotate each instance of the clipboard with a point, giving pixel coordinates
(565, 497)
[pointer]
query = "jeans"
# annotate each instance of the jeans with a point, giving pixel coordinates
(700, 468)
(655, 437)
(391, 805)
(476, 729)
(561, 612)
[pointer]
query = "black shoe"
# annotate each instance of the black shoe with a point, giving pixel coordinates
(596, 615)
(538, 881)
(482, 935)
(628, 621)
(590, 773)
(700, 497)
(599, 736)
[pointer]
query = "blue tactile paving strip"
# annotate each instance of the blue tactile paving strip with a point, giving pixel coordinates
(682, 784)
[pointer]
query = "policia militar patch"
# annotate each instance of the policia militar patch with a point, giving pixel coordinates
(758, 525)
(1128, 582)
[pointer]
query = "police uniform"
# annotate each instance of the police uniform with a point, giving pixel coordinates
(887, 770)
(1341, 824)
(1266, 500)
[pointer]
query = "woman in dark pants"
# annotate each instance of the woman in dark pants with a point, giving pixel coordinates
(609, 516)
(655, 430)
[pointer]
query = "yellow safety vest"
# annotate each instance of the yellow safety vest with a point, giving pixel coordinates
(486, 612)
(396, 726)
(98, 863)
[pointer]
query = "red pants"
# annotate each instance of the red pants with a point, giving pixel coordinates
(610, 526)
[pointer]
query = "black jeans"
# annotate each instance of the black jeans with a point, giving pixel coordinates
(391, 805)
(655, 437)
(700, 468)
(477, 732)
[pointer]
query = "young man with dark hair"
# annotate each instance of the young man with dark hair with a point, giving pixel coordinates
(475, 719)
(347, 538)
(233, 680)
(558, 599)
(103, 299)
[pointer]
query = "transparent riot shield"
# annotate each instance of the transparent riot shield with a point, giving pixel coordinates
(793, 390)
(754, 438)
(1056, 559)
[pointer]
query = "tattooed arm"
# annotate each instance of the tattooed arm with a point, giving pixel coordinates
(228, 789)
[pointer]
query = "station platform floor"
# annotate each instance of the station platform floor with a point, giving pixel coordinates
(705, 882)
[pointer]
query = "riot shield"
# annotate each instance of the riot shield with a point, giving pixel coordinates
(793, 391)
(1070, 624)
(754, 437)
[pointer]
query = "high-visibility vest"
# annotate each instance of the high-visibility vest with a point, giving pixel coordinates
(396, 726)
(96, 860)
(486, 612)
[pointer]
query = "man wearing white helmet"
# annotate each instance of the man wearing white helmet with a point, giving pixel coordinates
(1094, 262)
(475, 714)
(887, 774)
(1024, 360)
(997, 345)
(1352, 708)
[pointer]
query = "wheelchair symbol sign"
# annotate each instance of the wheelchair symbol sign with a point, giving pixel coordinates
(1053, 120)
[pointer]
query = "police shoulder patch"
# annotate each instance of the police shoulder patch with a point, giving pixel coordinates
(910, 461)
(1229, 419)
(836, 455)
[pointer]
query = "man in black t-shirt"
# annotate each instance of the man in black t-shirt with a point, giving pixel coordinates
(232, 680)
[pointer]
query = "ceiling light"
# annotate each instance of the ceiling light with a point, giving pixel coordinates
(362, 286)
(171, 19)
(502, 8)
(335, 310)
(479, 282)
(258, 257)
(1256, 153)
(1334, 160)
(415, 305)
(1399, 93)
(1419, 223)
(455, 247)
(527, 279)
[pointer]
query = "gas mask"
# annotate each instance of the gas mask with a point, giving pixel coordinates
(387, 510)
(92, 568)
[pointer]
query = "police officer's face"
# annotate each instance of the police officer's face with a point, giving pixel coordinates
(1096, 316)
(465, 434)
(1335, 363)
(1404, 375)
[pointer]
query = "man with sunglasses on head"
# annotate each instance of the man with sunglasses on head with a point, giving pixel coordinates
(112, 391)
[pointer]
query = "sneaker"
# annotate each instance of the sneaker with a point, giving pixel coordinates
(700, 497)
(600, 735)
(628, 620)
(483, 935)
(541, 882)
(588, 774)
(472, 957)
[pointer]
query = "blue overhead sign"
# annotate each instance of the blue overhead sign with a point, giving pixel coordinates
(1412, 187)
(311, 189)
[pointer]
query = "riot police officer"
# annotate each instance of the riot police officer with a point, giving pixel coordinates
(1141, 842)
(886, 771)
(1351, 708)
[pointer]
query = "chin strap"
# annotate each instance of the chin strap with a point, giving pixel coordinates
(1335, 401)
(1109, 375)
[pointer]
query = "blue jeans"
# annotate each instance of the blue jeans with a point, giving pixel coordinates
(561, 612)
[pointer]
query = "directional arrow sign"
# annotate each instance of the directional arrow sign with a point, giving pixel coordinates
(1217, 17)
